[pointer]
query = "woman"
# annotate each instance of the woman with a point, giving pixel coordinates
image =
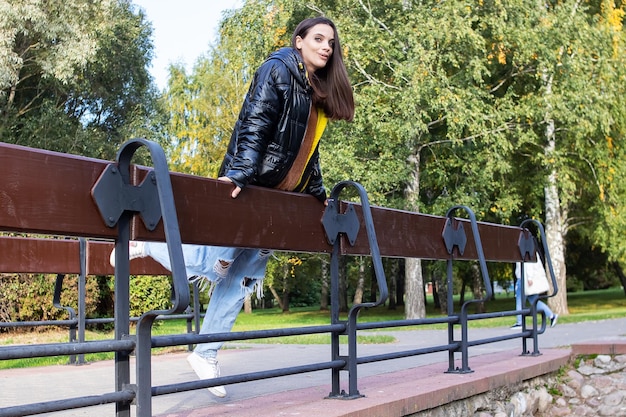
(274, 144)
(533, 272)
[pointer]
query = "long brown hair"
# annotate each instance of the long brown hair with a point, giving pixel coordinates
(331, 87)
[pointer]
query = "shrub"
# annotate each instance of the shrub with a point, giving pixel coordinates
(149, 293)
(29, 297)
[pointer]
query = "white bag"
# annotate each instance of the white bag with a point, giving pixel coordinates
(536, 281)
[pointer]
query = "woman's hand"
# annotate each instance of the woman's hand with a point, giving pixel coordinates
(237, 189)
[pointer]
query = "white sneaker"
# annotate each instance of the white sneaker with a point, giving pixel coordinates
(135, 250)
(207, 368)
(553, 320)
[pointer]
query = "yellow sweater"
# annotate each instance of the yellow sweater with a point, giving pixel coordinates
(316, 125)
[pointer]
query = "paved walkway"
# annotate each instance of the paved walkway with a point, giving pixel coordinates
(23, 386)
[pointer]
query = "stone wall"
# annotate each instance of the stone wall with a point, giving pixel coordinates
(589, 386)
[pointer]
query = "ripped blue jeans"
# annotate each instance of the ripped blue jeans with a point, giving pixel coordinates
(233, 272)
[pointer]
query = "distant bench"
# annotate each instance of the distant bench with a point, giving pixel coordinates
(60, 195)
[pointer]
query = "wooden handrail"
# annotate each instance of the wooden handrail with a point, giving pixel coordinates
(44, 192)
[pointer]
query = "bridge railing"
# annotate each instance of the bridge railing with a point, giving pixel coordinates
(119, 201)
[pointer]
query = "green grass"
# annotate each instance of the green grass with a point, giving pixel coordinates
(583, 306)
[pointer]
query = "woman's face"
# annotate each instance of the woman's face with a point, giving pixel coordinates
(316, 47)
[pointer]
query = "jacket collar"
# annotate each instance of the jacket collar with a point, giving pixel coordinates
(293, 61)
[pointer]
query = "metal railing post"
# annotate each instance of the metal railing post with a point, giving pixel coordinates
(82, 295)
(526, 243)
(347, 223)
(454, 236)
(122, 310)
(156, 188)
(334, 318)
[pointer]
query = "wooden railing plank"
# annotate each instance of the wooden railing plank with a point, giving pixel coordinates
(30, 255)
(258, 218)
(264, 218)
(62, 256)
(417, 235)
(50, 193)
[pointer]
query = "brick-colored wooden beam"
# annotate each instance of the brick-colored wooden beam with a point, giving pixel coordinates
(49, 193)
(62, 256)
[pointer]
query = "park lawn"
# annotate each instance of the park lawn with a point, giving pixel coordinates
(583, 306)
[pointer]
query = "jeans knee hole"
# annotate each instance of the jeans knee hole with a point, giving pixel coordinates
(221, 267)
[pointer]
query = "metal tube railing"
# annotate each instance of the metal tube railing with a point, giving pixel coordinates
(125, 396)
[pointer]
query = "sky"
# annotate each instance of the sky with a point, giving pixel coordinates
(182, 30)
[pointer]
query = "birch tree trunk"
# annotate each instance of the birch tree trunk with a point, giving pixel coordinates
(556, 216)
(478, 287)
(392, 281)
(325, 284)
(414, 301)
(358, 292)
(285, 295)
(555, 235)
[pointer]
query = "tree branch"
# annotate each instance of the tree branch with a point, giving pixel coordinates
(370, 78)
(378, 21)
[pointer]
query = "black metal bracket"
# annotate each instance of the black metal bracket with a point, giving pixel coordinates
(454, 236)
(348, 223)
(336, 223)
(153, 199)
(142, 198)
(526, 244)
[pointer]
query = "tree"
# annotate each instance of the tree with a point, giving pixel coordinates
(73, 75)
(515, 110)
(416, 91)
(74, 79)
(572, 106)
(608, 169)
(505, 108)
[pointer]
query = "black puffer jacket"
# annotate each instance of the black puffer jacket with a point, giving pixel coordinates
(271, 125)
